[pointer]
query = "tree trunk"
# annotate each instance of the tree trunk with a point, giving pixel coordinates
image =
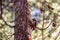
(0, 9)
(22, 27)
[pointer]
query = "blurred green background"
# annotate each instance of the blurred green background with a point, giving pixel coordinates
(6, 33)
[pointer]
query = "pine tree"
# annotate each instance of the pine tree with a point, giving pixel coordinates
(23, 21)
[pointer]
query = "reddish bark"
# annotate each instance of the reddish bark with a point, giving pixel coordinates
(23, 23)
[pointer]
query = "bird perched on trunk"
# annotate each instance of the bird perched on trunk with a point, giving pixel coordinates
(36, 14)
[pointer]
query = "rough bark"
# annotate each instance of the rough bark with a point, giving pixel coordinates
(22, 27)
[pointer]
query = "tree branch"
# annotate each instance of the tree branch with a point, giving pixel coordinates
(46, 27)
(57, 36)
(7, 23)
